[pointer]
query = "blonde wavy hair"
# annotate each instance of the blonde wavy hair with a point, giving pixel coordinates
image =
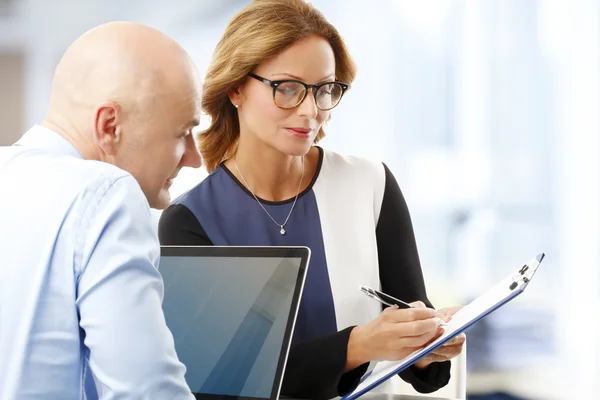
(258, 32)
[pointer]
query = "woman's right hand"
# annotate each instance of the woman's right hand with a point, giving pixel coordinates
(393, 335)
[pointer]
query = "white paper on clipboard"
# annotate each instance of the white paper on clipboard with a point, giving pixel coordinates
(496, 297)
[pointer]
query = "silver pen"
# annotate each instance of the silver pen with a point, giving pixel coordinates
(383, 298)
(388, 300)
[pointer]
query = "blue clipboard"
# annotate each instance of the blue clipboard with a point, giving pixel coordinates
(496, 297)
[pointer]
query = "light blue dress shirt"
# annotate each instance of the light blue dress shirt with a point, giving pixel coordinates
(80, 291)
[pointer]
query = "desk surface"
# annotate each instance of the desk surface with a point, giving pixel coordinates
(390, 396)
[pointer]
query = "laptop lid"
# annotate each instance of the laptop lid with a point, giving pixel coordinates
(232, 312)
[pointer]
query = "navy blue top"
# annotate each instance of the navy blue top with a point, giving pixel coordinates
(230, 217)
(221, 211)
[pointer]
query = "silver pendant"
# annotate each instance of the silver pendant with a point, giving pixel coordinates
(282, 231)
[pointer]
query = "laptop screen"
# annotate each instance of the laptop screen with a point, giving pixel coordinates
(232, 318)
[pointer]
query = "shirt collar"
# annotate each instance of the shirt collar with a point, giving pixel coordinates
(42, 138)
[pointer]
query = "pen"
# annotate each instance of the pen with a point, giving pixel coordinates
(383, 298)
(386, 299)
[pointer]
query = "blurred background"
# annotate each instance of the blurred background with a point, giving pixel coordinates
(487, 113)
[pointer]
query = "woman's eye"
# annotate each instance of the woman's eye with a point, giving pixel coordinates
(287, 91)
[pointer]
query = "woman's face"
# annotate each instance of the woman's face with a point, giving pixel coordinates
(290, 131)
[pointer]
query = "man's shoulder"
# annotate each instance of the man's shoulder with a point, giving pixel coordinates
(105, 182)
(90, 169)
(15, 160)
(96, 180)
(37, 171)
(86, 175)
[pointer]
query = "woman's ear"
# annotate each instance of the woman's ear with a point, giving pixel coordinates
(235, 97)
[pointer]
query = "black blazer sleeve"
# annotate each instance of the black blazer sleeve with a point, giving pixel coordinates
(178, 226)
(401, 275)
(315, 368)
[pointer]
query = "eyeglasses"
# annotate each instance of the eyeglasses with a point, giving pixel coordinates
(290, 93)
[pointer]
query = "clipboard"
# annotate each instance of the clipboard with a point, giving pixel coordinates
(496, 297)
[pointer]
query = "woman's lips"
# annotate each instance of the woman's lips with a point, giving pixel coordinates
(299, 132)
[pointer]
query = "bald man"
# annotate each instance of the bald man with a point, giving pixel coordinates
(80, 293)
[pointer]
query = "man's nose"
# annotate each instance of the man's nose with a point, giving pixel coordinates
(191, 157)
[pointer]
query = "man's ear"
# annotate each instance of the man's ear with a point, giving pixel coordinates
(107, 133)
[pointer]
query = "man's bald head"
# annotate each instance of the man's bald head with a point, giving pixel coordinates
(124, 62)
(118, 91)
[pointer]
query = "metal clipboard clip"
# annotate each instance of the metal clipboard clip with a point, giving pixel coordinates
(526, 272)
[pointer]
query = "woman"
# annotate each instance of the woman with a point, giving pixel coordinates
(278, 71)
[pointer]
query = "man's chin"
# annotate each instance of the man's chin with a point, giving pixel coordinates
(162, 202)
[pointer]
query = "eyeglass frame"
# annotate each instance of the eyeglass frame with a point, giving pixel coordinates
(275, 84)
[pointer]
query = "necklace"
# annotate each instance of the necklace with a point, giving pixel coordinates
(281, 226)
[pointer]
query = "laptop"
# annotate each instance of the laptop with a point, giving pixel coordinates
(232, 311)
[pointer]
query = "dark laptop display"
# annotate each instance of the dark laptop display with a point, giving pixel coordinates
(232, 311)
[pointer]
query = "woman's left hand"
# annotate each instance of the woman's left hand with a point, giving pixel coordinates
(449, 350)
